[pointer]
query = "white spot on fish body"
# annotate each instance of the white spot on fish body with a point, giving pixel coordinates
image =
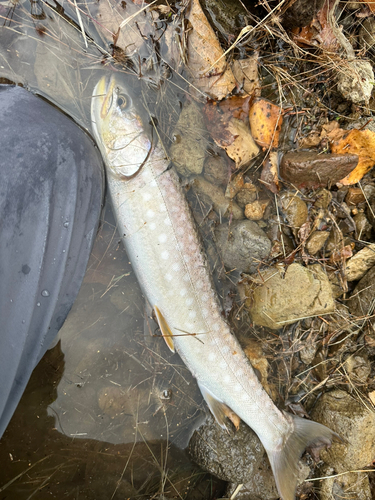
(225, 349)
(162, 238)
(168, 277)
(152, 226)
(167, 221)
(244, 396)
(211, 356)
(238, 388)
(153, 183)
(150, 213)
(205, 312)
(162, 208)
(189, 301)
(146, 196)
(176, 267)
(192, 314)
(165, 255)
(183, 292)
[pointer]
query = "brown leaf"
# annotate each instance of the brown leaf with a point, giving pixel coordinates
(203, 52)
(341, 255)
(359, 142)
(228, 125)
(370, 5)
(319, 32)
(269, 175)
(265, 122)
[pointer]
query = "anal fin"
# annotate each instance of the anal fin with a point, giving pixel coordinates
(165, 330)
(219, 409)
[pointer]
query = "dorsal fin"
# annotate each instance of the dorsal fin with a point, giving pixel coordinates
(165, 330)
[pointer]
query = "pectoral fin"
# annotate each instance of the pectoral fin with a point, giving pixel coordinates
(219, 409)
(165, 330)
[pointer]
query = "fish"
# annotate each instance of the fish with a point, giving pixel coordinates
(163, 245)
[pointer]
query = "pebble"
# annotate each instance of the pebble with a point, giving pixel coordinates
(255, 210)
(360, 263)
(316, 241)
(313, 170)
(294, 209)
(216, 170)
(246, 196)
(360, 303)
(354, 196)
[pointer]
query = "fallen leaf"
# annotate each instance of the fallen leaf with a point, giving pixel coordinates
(341, 255)
(245, 72)
(371, 395)
(207, 68)
(319, 32)
(265, 122)
(359, 142)
(370, 5)
(269, 176)
(227, 123)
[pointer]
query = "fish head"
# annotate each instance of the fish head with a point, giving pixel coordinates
(120, 127)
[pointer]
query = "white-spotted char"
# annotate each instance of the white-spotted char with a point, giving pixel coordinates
(161, 240)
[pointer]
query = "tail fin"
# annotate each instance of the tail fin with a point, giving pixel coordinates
(284, 462)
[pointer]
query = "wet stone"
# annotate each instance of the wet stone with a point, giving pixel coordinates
(356, 83)
(246, 196)
(313, 170)
(354, 197)
(294, 209)
(255, 210)
(358, 367)
(214, 195)
(242, 245)
(283, 299)
(360, 263)
(316, 241)
(216, 170)
(190, 141)
(238, 458)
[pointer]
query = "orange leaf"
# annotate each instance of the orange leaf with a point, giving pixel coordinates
(265, 122)
(370, 5)
(361, 143)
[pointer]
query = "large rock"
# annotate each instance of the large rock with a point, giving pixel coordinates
(242, 245)
(239, 459)
(354, 422)
(278, 300)
(313, 170)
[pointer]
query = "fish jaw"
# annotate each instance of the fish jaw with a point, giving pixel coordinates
(123, 138)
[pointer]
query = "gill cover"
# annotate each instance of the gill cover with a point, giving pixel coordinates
(120, 127)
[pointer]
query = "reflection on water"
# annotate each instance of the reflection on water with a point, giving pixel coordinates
(109, 410)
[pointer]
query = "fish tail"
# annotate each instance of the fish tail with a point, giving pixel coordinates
(284, 462)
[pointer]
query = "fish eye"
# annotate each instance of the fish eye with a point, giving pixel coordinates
(122, 101)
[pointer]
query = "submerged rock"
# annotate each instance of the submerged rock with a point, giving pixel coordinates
(355, 81)
(242, 245)
(281, 300)
(188, 151)
(214, 195)
(313, 170)
(316, 241)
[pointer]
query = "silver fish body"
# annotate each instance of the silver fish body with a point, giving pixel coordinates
(162, 243)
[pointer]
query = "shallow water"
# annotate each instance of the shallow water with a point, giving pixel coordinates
(109, 410)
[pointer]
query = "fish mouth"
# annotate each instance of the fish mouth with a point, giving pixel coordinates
(101, 102)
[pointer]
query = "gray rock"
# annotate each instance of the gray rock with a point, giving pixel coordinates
(239, 459)
(277, 300)
(360, 304)
(363, 227)
(242, 245)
